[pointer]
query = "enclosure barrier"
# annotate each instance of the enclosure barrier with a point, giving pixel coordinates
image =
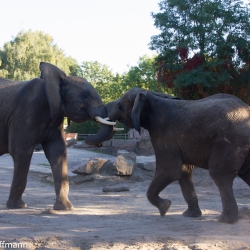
(81, 137)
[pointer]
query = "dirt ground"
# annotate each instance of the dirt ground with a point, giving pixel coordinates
(124, 220)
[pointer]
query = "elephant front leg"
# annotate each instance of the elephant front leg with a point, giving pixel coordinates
(21, 168)
(187, 188)
(160, 181)
(56, 154)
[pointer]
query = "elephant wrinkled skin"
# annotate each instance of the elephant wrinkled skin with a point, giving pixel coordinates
(212, 133)
(32, 112)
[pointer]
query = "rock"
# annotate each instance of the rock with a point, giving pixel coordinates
(133, 134)
(82, 145)
(117, 188)
(38, 147)
(149, 166)
(91, 167)
(125, 163)
(107, 168)
(124, 144)
(141, 175)
(80, 178)
(146, 162)
(70, 142)
(144, 143)
(127, 155)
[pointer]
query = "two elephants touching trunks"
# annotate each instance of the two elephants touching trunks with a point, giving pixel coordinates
(212, 133)
(32, 112)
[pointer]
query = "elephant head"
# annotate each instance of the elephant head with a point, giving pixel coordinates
(75, 98)
(130, 109)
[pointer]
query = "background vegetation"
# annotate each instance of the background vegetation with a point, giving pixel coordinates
(203, 48)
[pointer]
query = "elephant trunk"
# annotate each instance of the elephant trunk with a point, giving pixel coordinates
(105, 133)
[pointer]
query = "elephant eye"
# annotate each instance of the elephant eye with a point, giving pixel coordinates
(84, 96)
(119, 106)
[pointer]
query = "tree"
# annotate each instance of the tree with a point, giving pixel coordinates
(144, 75)
(204, 47)
(103, 79)
(20, 58)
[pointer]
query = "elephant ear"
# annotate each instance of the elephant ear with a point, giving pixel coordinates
(53, 78)
(137, 109)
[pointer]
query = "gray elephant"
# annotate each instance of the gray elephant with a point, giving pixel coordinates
(212, 133)
(32, 112)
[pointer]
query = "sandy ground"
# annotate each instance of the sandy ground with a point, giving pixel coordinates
(124, 220)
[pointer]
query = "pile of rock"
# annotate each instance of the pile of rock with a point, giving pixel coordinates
(125, 164)
(140, 144)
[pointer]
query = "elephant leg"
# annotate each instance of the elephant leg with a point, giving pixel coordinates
(188, 191)
(56, 154)
(21, 167)
(224, 183)
(163, 177)
(246, 177)
(159, 182)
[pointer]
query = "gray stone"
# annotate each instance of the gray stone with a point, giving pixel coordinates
(133, 134)
(107, 143)
(82, 145)
(80, 178)
(127, 155)
(107, 168)
(146, 162)
(129, 145)
(116, 188)
(149, 166)
(70, 142)
(125, 163)
(144, 143)
(38, 147)
(91, 167)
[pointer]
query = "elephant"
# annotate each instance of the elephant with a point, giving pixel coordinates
(211, 133)
(32, 112)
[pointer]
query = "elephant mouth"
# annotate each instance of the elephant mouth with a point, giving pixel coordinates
(107, 122)
(105, 133)
(104, 120)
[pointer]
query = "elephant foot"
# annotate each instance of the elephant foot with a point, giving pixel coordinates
(228, 218)
(63, 205)
(195, 212)
(164, 206)
(15, 204)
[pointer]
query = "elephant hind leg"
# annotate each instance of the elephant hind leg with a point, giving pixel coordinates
(246, 177)
(224, 183)
(188, 191)
(244, 173)
(21, 168)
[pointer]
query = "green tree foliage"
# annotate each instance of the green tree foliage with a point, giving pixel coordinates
(204, 47)
(20, 58)
(103, 79)
(144, 75)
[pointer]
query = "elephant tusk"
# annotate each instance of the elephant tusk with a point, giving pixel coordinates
(118, 129)
(103, 121)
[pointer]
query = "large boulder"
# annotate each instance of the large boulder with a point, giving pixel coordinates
(125, 163)
(91, 167)
(146, 162)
